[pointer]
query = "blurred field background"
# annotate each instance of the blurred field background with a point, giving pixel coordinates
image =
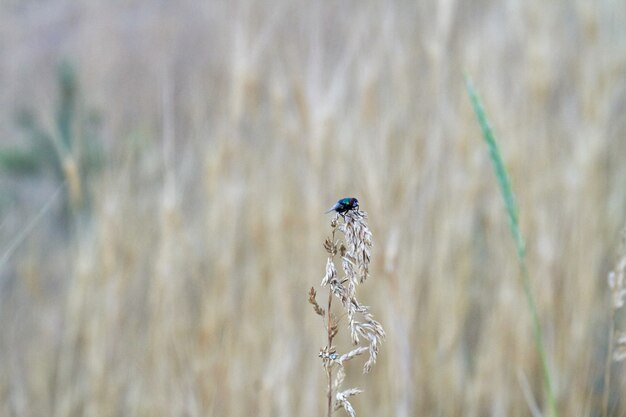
(165, 167)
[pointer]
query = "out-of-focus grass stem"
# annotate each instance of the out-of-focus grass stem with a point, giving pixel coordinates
(512, 211)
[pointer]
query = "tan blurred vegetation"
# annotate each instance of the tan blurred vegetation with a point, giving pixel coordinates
(228, 128)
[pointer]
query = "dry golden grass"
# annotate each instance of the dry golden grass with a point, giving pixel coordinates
(230, 126)
(351, 241)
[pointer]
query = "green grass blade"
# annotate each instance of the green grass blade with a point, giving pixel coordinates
(512, 211)
(19, 162)
(500, 171)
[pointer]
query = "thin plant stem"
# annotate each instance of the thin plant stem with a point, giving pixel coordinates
(607, 367)
(329, 369)
(329, 329)
(539, 341)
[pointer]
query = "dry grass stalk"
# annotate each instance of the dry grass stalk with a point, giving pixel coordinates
(617, 339)
(355, 253)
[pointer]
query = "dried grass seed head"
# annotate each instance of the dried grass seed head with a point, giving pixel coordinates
(617, 283)
(619, 351)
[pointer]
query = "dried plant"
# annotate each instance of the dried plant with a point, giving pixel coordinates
(366, 333)
(617, 339)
